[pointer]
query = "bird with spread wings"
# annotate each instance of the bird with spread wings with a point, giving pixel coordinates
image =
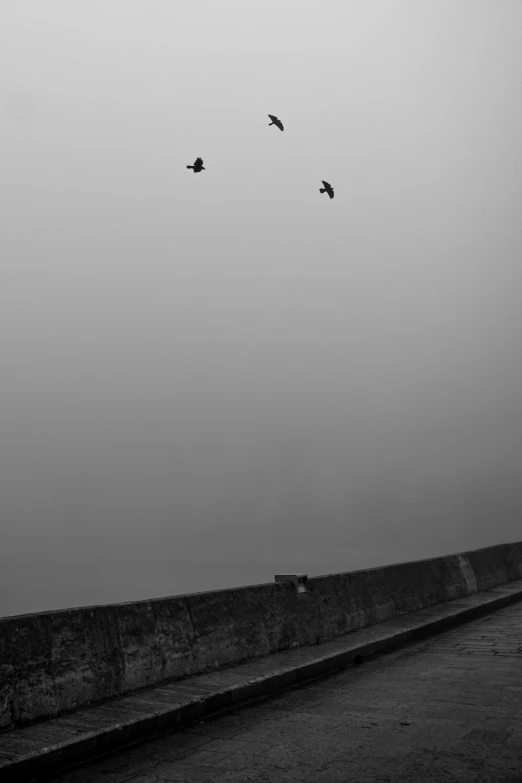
(275, 121)
(327, 189)
(198, 166)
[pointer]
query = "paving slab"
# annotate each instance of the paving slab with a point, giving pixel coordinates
(41, 750)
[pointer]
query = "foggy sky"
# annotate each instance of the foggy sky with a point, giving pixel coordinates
(207, 379)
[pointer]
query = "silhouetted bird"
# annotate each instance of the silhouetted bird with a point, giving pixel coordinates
(198, 166)
(275, 121)
(327, 189)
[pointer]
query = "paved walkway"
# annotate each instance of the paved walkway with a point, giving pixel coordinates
(445, 709)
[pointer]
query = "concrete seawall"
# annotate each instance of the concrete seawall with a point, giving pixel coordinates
(55, 662)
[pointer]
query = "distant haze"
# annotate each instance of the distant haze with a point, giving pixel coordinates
(208, 378)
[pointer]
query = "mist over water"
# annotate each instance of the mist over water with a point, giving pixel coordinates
(209, 379)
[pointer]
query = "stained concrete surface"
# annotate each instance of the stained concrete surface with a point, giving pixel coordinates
(53, 663)
(445, 709)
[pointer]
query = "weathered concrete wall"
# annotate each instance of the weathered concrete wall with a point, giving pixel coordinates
(55, 662)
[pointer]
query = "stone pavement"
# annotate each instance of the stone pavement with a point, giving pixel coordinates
(444, 709)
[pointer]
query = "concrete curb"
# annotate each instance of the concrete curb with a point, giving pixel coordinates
(34, 752)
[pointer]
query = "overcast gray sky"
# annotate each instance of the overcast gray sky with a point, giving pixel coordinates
(209, 378)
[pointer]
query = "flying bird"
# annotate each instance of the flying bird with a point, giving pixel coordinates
(198, 165)
(327, 189)
(275, 121)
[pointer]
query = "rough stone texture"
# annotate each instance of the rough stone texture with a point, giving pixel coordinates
(468, 574)
(42, 749)
(142, 661)
(104, 649)
(70, 662)
(496, 565)
(54, 662)
(25, 667)
(176, 636)
(446, 709)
